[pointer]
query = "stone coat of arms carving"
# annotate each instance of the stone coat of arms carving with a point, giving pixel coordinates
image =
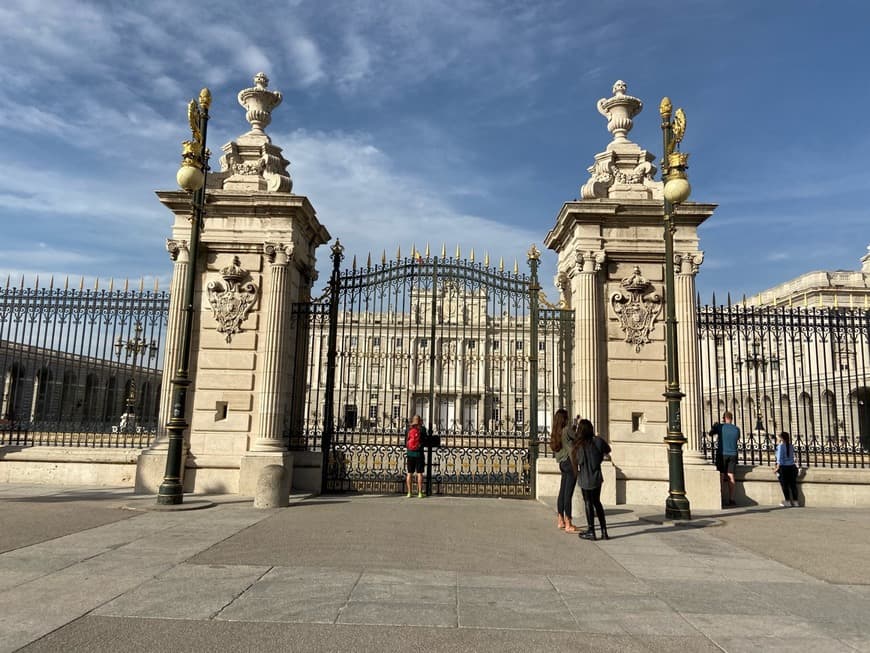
(637, 308)
(232, 300)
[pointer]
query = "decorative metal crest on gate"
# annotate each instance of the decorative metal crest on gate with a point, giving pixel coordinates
(231, 300)
(637, 311)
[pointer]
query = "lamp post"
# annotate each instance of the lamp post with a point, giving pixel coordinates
(191, 177)
(136, 348)
(676, 190)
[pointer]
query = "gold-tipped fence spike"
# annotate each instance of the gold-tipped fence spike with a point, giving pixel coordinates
(127, 284)
(96, 283)
(836, 301)
(384, 257)
(66, 283)
(51, 283)
(141, 284)
(369, 260)
(485, 259)
(516, 267)
(353, 263)
(427, 250)
(458, 253)
(399, 253)
(8, 277)
(413, 254)
(22, 282)
(443, 250)
(471, 255)
(82, 284)
(806, 301)
(501, 264)
(36, 287)
(111, 284)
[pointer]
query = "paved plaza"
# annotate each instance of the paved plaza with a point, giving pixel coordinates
(80, 571)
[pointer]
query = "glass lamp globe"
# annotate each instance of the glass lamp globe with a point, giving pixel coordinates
(190, 178)
(677, 190)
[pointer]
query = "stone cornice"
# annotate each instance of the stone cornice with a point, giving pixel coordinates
(605, 212)
(222, 205)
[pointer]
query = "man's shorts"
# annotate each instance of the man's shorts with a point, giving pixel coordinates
(416, 464)
(729, 464)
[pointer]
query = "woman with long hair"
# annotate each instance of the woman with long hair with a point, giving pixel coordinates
(590, 452)
(562, 446)
(786, 470)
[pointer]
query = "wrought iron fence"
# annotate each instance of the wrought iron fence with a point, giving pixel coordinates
(799, 370)
(81, 367)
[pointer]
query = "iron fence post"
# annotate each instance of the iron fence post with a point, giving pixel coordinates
(331, 355)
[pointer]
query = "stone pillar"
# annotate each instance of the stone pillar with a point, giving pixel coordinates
(269, 435)
(588, 386)
(620, 359)
(687, 266)
(243, 344)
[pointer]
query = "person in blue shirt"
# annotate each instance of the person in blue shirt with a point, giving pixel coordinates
(786, 470)
(726, 454)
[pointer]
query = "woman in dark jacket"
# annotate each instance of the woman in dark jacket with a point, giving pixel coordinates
(590, 452)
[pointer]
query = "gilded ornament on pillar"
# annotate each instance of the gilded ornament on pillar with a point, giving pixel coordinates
(637, 308)
(231, 300)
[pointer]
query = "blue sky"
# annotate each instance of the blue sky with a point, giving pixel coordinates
(465, 121)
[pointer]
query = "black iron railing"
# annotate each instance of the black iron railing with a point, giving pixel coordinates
(81, 367)
(799, 370)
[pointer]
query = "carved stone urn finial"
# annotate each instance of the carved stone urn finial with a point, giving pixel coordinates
(259, 103)
(619, 111)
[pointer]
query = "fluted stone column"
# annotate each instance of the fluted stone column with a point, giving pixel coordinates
(269, 435)
(586, 300)
(152, 462)
(687, 266)
(180, 255)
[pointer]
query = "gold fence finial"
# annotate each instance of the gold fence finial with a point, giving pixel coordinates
(369, 260)
(427, 250)
(443, 250)
(665, 109)
(458, 253)
(501, 263)
(51, 283)
(111, 284)
(384, 257)
(485, 259)
(353, 264)
(471, 255)
(127, 284)
(398, 253)
(516, 267)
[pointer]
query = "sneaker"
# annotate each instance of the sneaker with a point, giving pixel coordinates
(419, 495)
(785, 504)
(408, 495)
(795, 504)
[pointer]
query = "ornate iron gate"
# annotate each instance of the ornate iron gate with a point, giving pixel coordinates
(461, 343)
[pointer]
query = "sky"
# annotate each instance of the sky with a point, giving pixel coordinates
(468, 122)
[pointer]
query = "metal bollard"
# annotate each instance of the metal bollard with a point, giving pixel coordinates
(272, 491)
